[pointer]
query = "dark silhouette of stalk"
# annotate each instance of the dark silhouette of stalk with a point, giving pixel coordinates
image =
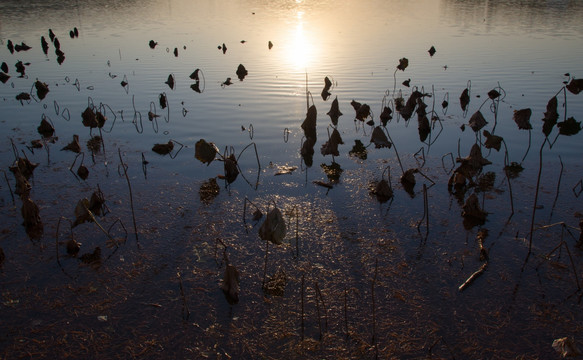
(125, 171)
(534, 206)
(302, 307)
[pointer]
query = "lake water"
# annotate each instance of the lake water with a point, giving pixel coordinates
(365, 277)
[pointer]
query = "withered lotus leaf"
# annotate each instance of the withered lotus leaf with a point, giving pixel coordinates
(163, 101)
(241, 72)
(334, 112)
(4, 67)
(163, 149)
(358, 150)
(194, 75)
(152, 44)
(383, 191)
(326, 91)
(42, 89)
(522, 118)
(569, 127)
(45, 128)
(575, 86)
(472, 209)
(231, 170)
(74, 145)
(205, 152)
(100, 118)
(82, 212)
(22, 185)
(386, 115)
(493, 94)
(355, 105)
(89, 118)
(230, 284)
(170, 81)
(379, 138)
(273, 228)
(492, 141)
(31, 215)
(23, 96)
(4, 77)
(431, 51)
(83, 172)
(465, 99)
(408, 177)
(403, 63)
(24, 166)
(551, 116)
(423, 127)
(363, 112)
(331, 146)
(477, 121)
(309, 124)
(96, 203)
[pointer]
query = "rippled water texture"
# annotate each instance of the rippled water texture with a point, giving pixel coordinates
(361, 272)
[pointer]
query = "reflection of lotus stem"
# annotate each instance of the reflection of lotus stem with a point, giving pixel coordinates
(9, 187)
(346, 311)
(265, 265)
(374, 320)
(558, 186)
(302, 307)
(396, 153)
(425, 213)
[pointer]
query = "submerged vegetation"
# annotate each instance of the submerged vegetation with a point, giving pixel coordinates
(249, 252)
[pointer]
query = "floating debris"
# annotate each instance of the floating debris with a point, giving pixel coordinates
(465, 99)
(170, 81)
(269, 45)
(152, 44)
(21, 47)
(569, 127)
(275, 285)
(10, 46)
(44, 44)
(92, 258)
(208, 191)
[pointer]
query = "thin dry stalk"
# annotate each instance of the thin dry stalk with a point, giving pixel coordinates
(125, 171)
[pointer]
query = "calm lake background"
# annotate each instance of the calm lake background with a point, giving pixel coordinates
(354, 265)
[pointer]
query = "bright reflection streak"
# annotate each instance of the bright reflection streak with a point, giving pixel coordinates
(301, 50)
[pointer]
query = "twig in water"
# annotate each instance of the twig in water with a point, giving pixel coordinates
(482, 234)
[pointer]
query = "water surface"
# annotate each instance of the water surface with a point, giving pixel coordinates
(382, 275)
